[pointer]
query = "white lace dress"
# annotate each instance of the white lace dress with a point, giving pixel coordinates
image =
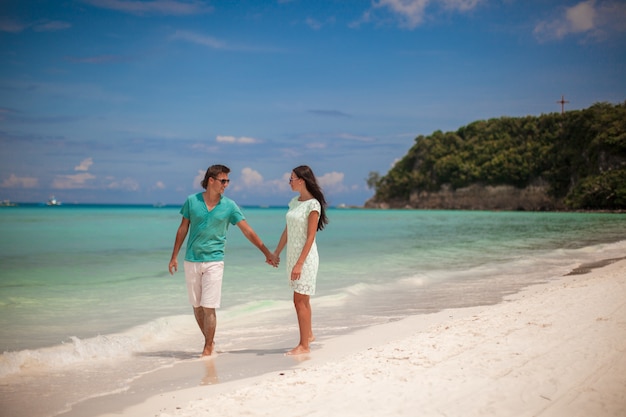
(297, 224)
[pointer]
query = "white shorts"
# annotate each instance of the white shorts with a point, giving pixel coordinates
(204, 283)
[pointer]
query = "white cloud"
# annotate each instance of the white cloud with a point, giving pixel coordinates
(19, 182)
(204, 147)
(247, 140)
(232, 139)
(366, 17)
(127, 184)
(226, 139)
(64, 182)
(214, 43)
(595, 19)
(581, 17)
(160, 185)
(412, 13)
(461, 5)
(350, 136)
(574, 19)
(313, 23)
(316, 24)
(278, 186)
(197, 181)
(282, 184)
(84, 165)
(332, 182)
(251, 178)
(199, 39)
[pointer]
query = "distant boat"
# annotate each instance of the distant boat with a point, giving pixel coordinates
(159, 204)
(7, 203)
(53, 202)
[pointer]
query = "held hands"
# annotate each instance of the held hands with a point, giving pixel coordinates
(273, 260)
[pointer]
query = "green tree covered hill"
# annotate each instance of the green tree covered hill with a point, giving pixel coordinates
(575, 161)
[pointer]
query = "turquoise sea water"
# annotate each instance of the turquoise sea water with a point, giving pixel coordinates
(89, 284)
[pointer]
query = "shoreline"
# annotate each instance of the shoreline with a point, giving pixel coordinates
(552, 349)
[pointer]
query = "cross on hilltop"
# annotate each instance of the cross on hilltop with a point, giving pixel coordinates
(562, 101)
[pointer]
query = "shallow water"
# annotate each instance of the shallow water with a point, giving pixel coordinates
(87, 304)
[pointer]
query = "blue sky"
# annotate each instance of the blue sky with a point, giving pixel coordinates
(128, 101)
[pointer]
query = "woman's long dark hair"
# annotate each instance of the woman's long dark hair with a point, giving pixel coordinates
(305, 173)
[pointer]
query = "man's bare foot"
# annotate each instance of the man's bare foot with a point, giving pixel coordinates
(298, 350)
(208, 350)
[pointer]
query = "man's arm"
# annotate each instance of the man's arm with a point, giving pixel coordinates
(251, 235)
(181, 233)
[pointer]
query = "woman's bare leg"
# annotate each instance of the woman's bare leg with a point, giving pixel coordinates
(303, 311)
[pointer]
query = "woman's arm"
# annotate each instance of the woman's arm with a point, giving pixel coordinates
(281, 243)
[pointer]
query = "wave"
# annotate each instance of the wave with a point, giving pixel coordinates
(101, 347)
(135, 341)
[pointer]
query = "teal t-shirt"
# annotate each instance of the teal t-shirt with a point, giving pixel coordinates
(207, 229)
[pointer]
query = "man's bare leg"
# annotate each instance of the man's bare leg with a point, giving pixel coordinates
(303, 311)
(207, 321)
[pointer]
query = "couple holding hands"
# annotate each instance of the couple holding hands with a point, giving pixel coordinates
(206, 217)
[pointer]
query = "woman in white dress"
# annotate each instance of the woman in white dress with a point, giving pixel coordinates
(306, 215)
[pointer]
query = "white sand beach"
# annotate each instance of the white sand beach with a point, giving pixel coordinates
(554, 349)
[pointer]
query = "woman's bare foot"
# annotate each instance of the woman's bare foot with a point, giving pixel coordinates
(298, 350)
(311, 339)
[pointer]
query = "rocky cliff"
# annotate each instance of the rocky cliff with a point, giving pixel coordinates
(476, 197)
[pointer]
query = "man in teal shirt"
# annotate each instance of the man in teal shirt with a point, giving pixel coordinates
(206, 217)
